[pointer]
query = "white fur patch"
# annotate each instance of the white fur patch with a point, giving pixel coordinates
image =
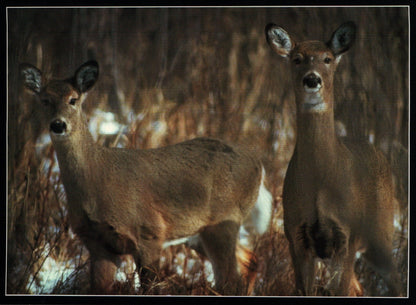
(313, 102)
(338, 58)
(259, 219)
(175, 242)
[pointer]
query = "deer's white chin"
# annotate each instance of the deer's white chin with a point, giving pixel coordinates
(313, 102)
(319, 107)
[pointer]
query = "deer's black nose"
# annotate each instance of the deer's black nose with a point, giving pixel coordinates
(58, 126)
(312, 80)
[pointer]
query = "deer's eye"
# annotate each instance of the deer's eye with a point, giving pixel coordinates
(72, 101)
(327, 60)
(297, 60)
(45, 101)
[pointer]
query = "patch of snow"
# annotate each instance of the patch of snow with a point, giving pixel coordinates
(209, 272)
(371, 137)
(279, 222)
(109, 128)
(50, 274)
(244, 237)
(397, 222)
(42, 141)
(104, 123)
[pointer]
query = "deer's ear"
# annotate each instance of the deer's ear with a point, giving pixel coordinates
(279, 40)
(86, 76)
(343, 38)
(31, 77)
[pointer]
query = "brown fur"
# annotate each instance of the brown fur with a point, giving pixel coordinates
(337, 196)
(129, 202)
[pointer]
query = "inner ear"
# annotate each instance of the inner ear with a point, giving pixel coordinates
(343, 38)
(31, 77)
(86, 76)
(279, 40)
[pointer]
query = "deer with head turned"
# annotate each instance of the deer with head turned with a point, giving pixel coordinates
(135, 202)
(337, 194)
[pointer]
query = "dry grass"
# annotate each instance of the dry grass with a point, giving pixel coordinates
(175, 74)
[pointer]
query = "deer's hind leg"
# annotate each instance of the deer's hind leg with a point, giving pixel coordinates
(379, 256)
(379, 252)
(219, 244)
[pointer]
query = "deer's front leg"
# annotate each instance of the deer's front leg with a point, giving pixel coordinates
(147, 262)
(341, 269)
(303, 265)
(103, 269)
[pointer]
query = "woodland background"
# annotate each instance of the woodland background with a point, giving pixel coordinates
(171, 74)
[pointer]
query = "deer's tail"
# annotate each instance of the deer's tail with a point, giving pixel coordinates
(256, 223)
(259, 219)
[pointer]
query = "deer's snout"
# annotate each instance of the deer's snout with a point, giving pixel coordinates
(58, 126)
(312, 82)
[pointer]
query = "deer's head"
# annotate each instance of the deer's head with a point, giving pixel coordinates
(61, 100)
(313, 64)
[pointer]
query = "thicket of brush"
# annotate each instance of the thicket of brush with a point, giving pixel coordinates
(193, 72)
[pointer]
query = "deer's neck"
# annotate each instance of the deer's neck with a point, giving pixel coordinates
(316, 141)
(77, 155)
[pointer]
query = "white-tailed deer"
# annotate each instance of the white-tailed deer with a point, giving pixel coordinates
(337, 195)
(133, 202)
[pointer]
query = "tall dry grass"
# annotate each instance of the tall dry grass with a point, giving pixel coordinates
(174, 74)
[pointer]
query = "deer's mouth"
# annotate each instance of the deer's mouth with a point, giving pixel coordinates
(312, 89)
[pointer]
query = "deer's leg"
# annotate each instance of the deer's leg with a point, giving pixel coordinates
(147, 264)
(379, 256)
(246, 261)
(379, 252)
(103, 269)
(304, 266)
(342, 274)
(219, 243)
